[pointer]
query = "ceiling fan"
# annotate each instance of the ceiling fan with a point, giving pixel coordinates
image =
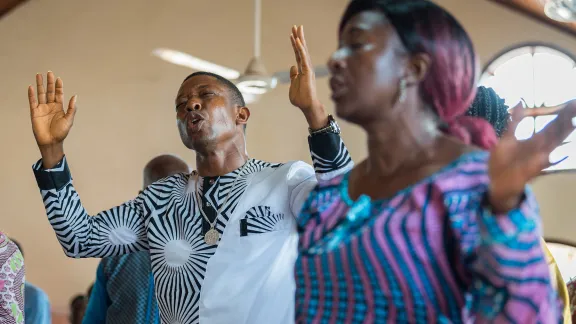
(560, 10)
(255, 81)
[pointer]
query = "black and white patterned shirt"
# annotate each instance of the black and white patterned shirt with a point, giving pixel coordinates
(246, 278)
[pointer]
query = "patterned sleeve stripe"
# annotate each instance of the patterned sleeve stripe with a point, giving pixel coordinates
(504, 229)
(329, 154)
(55, 178)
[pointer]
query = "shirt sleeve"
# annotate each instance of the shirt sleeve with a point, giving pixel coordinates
(116, 231)
(510, 277)
(98, 301)
(40, 304)
(330, 156)
(301, 181)
(11, 282)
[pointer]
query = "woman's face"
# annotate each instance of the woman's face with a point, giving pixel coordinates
(367, 68)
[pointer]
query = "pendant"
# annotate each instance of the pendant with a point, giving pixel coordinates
(211, 237)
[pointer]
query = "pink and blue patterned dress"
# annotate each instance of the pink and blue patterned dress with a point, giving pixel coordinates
(432, 253)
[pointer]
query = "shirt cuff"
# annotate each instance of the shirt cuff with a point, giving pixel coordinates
(329, 155)
(505, 228)
(56, 178)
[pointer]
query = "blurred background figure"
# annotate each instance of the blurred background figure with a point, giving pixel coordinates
(77, 309)
(37, 308)
(11, 282)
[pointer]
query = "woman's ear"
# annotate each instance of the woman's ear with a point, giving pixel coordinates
(418, 66)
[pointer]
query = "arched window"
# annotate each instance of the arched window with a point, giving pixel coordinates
(565, 255)
(542, 76)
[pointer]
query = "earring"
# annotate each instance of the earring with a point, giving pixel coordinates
(402, 96)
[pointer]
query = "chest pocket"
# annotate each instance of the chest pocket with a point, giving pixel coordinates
(260, 220)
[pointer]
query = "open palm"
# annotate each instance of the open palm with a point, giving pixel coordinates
(513, 163)
(50, 123)
(302, 92)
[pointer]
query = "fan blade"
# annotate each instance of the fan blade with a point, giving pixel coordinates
(284, 76)
(183, 59)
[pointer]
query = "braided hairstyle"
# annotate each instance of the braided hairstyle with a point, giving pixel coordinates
(491, 107)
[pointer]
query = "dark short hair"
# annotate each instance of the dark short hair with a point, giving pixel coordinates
(237, 97)
(76, 299)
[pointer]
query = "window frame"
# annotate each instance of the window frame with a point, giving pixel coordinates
(504, 55)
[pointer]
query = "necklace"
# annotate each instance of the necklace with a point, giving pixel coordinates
(211, 237)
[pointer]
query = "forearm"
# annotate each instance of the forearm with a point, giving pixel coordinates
(510, 273)
(111, 232)
(51, 155)
(330, 157)
(317, 117)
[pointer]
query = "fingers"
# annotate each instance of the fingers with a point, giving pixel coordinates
(40, 89)
(559, 129)
(543, 111)
(71, 112)
(305, 65)
(50, 87)
(300, 31)
(301, 50)
(59, 91)
(296, 52)
(516, 114)
(293, 72)
(32, 98)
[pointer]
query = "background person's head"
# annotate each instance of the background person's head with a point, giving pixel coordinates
(78, 305)
(210, 111)
(163, 166)
(491, 107)
(410, 47)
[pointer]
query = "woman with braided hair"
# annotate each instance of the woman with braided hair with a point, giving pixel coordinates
(437, 224)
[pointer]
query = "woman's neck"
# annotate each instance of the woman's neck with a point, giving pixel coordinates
(405, 142)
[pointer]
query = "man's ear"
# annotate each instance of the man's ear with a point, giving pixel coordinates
(242, 116)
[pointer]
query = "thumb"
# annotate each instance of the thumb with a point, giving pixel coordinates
(516, 115)
(293, 72)
(71, 112)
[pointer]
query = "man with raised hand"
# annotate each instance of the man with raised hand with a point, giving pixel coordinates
(222, 239)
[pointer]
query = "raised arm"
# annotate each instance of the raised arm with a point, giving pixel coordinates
(329, 154)
(511, 278)
(116, 231)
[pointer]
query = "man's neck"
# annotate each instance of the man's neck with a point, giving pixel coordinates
(221, 160)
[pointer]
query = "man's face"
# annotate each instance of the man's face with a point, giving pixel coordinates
(205, 113)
